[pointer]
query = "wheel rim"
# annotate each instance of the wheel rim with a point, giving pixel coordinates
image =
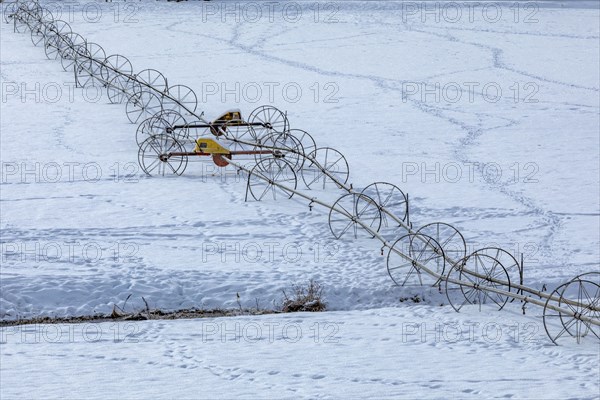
(152, 152)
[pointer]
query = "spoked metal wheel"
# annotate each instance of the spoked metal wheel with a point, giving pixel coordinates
(271, 178)
(325, 166)
(284, 146)
(9, 12)
(62, 43)
(168, 120)
(191, 132)
(353, 213)
(155, 156)
(307, 141)
(181, 99)
(161, 122)
(450, 238)
(582, 298)
(37, 32)
(26, 14)
(75, 46)
(57, 29)
(31, 8)
(508, 261)
(411, 259)
(51, 47)
(89, 64)
(50, 28)
(265, 119)
(390, 198)
(236, 131)
(71, 56)
(150, 127)
(65, 43)
(142, 105)
(46, 15)
(569, 298)
(151, 79)
(21, 23)
(120, 88)
(477, 276)
(115, 65)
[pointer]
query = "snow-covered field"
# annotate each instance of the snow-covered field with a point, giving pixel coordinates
(488, 116)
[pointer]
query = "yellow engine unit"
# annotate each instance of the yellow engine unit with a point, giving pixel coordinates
(210, 146)
(229, 118)
(231, 115)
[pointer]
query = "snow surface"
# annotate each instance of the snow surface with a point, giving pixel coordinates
(71, 187)
(383, 353)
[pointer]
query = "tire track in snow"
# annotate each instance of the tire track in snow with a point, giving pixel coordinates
(538, 34)
(553, 221)
(498, 63)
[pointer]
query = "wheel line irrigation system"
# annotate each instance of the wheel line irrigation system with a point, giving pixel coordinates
(280, 155)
